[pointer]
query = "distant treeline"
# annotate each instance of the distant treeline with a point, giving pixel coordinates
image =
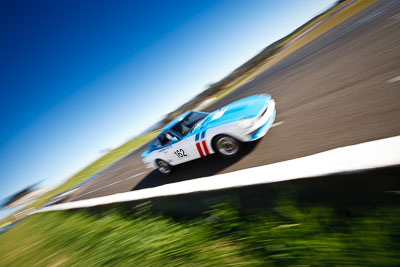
(9, 200)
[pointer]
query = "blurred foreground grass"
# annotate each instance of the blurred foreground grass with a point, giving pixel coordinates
(286, 235)
(109, 158)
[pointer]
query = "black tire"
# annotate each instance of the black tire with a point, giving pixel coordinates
(226, 146)
(163, 166)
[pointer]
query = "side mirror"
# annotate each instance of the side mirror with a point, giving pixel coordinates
(174, 139)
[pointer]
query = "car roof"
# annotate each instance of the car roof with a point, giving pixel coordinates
(175, 121)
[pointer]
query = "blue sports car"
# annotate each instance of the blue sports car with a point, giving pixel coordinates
(198, 134)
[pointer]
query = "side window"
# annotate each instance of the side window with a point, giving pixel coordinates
(163, 139)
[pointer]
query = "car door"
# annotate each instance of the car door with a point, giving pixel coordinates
(181, 152)
(177, 152)
(185, 150)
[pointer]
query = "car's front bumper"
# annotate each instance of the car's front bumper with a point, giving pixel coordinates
(262, 125)
(263, 129)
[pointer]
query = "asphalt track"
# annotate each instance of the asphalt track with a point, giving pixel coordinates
(342, 88)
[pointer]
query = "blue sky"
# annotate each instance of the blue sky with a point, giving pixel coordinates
(81, 76)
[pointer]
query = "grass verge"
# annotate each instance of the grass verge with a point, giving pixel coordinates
(288, 234)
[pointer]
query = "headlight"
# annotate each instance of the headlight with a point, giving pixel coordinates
(246, 123)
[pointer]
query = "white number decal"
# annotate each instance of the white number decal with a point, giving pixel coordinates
(180, 153)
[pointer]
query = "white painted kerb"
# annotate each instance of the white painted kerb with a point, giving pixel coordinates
(370, 155)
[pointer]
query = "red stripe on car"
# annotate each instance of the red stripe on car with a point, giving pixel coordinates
(205, 148)
(199, 149)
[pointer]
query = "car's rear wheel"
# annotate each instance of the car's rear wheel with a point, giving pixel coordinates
(226, 146)
(163, 166)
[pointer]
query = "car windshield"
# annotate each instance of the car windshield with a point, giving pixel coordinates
(188, 123)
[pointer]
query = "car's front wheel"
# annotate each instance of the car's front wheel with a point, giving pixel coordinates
(226, 146)
(163, 166)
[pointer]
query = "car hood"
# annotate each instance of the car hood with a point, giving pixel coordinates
(248, 107)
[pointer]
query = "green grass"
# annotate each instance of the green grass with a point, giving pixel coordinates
(286, 235)
(109, 158)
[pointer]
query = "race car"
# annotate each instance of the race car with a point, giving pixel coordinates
(195, 134)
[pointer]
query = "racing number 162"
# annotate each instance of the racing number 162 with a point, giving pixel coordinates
(180, 153)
